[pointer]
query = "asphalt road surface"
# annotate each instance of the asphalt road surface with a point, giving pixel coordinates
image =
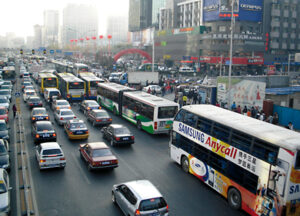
(76, 191)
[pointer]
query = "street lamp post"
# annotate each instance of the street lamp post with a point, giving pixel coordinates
(230, 55)
(153, 45)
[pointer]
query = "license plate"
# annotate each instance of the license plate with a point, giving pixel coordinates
(46, 135)
(39, 118)
(105, 163)
(168, 126)
(125, 138)
(79, 132)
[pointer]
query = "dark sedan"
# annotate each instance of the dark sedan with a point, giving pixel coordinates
(118, 134)
(4, 156)
(43, 131)
(99, 117)
(39, 114)
(34, 102)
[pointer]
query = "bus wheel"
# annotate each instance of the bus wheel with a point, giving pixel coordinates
(234, 198)
(185, 164)
(139, 125)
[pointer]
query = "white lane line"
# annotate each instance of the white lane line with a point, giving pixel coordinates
(75, 157)
(16, 170)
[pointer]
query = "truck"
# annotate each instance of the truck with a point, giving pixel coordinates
(139, 78)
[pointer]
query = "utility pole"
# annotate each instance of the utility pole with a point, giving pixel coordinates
(153, 45)
(230, 55)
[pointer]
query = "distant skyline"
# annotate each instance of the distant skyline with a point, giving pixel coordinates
(20, 16)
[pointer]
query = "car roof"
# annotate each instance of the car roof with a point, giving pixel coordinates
(34, 97)
(50, 145)
(66, 110)
(39, 108)
(43, 123)
(76, 121)
(117, 125)
(97, 145)
(99, 110)
(2, 121)
(1, 107)
(52, 89)
(144, 189)
(61, 100)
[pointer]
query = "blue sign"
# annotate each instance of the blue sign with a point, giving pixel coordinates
(51, 51)
(244, 10)
(17, 94)
(68, 53)
(58, 51)
(227, 62)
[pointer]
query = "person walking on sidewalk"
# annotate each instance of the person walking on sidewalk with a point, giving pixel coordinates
(14, 110)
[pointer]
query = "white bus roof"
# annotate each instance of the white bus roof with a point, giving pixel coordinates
(150, 99)
(274, 134)
(114, 86)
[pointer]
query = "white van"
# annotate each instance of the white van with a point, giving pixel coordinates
(50, 92)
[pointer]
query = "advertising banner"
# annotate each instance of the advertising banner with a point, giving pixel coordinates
(244, 10)
(243, 92)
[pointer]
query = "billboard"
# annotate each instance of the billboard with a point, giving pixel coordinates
(244, 10)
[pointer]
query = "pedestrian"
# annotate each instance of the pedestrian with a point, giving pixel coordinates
(290, 126)
(199, 99)
(163, 91)
(270, 119)
(184, 99)
(238, 109)
(14, 110)
(149, 90)
(248, 113)
(233, 106)
(195, 97)
(217, 104)
(275, 118)
(261, 116)
(245, 110)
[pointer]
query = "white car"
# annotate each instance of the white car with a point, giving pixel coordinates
(28, 93)
(4, 102)
(60, 104)
(4, 192)
(51, 92)
(64, 115)
(50, 155)
(157, 89)
(29, 88)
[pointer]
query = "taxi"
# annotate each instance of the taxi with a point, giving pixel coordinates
(76, 129)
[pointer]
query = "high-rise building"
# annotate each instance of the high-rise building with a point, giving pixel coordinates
(51, 25)
(156, 6)
(281, 31)
(140, 14)
(79, 21)
(30, 42)
(169, 17)
(37, 29)
(190, 13)
(117, 27)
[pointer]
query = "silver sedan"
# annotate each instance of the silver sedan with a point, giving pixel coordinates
(64, 115)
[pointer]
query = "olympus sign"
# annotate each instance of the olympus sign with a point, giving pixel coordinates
(251, 7)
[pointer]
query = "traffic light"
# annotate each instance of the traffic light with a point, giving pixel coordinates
(45, 51)
(21, 51)
(32, 51)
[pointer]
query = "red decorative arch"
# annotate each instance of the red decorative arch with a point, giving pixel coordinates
(131, 51)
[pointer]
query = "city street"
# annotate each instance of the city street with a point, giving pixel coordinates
(76, 191)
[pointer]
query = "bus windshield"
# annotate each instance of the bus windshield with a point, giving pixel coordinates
(76, 85)
(50, 82)
(167, 112)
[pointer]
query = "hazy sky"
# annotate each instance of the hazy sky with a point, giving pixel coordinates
(20, 16)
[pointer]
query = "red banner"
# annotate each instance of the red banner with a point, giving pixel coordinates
(235, 60)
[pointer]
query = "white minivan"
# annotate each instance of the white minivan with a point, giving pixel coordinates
(51, 92)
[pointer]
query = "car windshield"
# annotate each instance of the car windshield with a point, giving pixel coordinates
(77, 125)
(26, 83)
(122, 130)
(5, 87)
(2, 187)
(54, 93)
(29, 88)
(102, 114)
(62, 103)
(92, 103)
(3, 112)
(44, 127)
(3, 127)
(34, 100)
(167, 112)
(30, 93)
(3, 100)
(52, 152)
(39, 111)
(4, 92)
(151, 204)
(6, 83)
(2, 149)
(101, 152)
(67, 112)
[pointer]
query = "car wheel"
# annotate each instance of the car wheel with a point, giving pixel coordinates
(185, 164)
(139, 125)
(94, 123)
(234, 198)
(112, 142)
(113, 197)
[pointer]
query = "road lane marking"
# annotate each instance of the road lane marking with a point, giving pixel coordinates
(17, 171)
(80, 168)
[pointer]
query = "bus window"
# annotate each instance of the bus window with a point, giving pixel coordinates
(76, 85)
(241, 140)
(297, 164)
(180, 115)
(221, 132)
(265, 151)
(167, 112)
(50, 82)
(204, 125)
(190, 119)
